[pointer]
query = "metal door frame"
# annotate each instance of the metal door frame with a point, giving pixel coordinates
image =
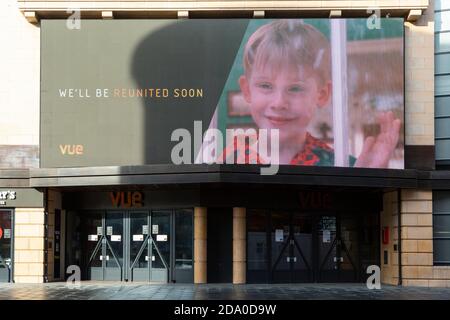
(170, 265)
(124, 235)
(291, 244)
(126, 267)
(148, 243)
(103, 244)
(315, 268)
(340, 248)
(173, 261)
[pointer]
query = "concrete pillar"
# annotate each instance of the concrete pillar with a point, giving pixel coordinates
(200, 237)
(239, 246)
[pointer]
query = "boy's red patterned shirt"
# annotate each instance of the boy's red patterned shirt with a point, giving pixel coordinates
(314, 152)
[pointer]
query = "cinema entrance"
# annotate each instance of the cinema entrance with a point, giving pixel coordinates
(288, 246)
(150, 246)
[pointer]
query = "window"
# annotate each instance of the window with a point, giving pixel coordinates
(183, 239)
(442, 82)
(442, 19)
(442, 85)
(442, 63)
(441, 5)
(441, 227)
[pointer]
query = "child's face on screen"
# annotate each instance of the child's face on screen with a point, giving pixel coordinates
(284, 99)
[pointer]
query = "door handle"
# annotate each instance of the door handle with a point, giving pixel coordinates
(293, 259)
(340, 259)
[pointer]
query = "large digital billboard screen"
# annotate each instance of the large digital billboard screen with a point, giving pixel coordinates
(312, 92)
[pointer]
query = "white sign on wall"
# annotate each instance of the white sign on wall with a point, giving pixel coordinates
(116, 238)
(279, 235)
(161, 237)
(326, 238)
(7, 195)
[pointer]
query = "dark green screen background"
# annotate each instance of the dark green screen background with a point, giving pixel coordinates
(130, 54)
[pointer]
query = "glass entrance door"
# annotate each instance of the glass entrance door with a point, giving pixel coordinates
(113, 246)
(5, 245)
(92, 230)
(281, 247)
(149, 245)
(139, 242)
(183, 246)
(104, 245)
(302, 248)
(289, 247)
(291, 238)
(337, 239)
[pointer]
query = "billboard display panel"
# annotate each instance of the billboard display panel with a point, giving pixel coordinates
(316, 92)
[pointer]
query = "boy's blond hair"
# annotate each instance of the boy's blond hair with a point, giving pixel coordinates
(288, 41)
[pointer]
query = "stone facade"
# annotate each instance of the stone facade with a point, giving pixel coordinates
(239, 245)
(419, 80)
(417, 241)
(19, 103)
(19, 89)
(195, 5)
(200, 244)
(29, 233)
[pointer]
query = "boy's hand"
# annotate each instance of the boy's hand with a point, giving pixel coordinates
(377, 151)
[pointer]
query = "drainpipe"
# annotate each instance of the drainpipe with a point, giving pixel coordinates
(399, 231)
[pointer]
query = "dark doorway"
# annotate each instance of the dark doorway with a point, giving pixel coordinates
(150, 246)
(220, 245)
(337, 239)
(289, 247)
(57, 246)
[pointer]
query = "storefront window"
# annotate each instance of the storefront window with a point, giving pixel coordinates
(183, 239)
(257, 245)
(441, 5)
(441, 227)
(442, 81)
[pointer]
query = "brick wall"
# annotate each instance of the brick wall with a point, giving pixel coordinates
(19, 88)
(417, 241)
(419, 80)
(29, 245)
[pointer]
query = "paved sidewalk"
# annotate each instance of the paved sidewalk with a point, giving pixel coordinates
(145, 291)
